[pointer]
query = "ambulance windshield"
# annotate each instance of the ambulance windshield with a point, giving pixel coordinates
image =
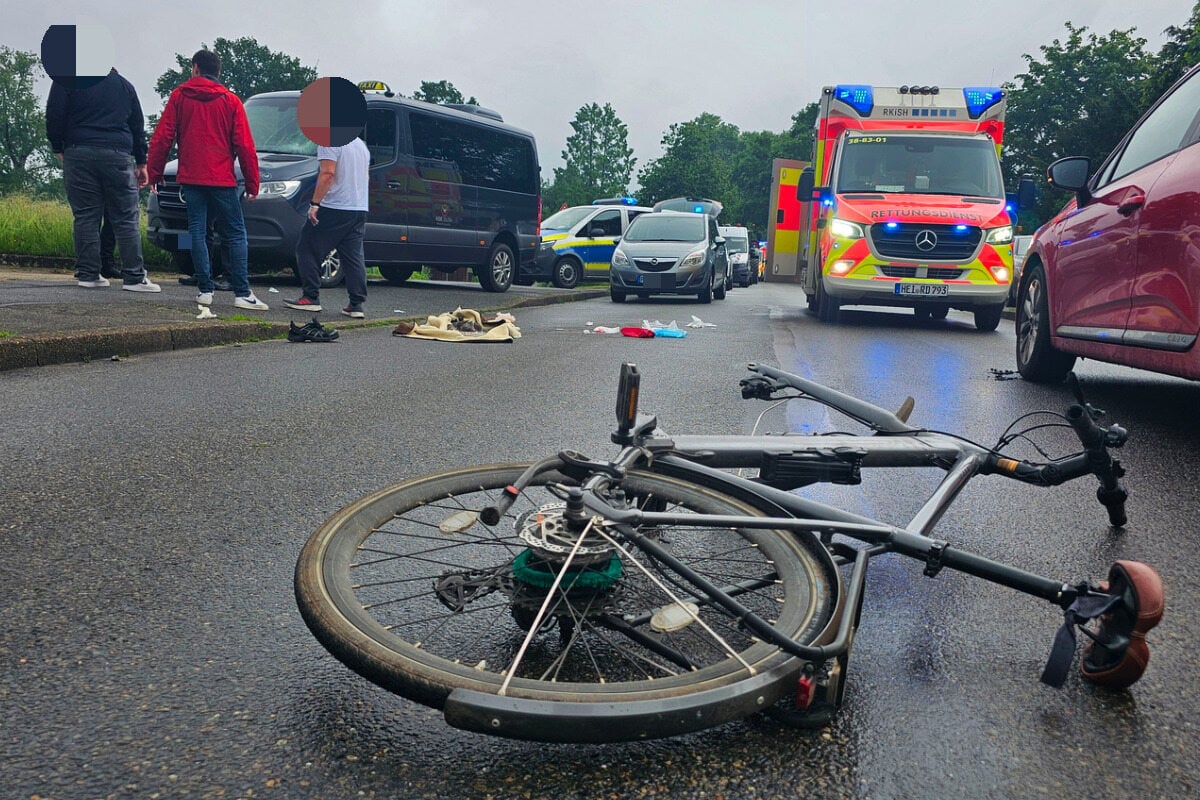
(945, 165)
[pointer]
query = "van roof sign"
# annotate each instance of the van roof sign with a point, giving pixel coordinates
(374, 86)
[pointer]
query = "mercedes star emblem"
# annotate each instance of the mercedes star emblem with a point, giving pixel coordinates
(926, 240)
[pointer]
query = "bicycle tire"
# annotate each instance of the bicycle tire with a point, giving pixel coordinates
(383, 617)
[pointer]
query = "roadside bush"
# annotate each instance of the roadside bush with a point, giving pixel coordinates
(35, 227)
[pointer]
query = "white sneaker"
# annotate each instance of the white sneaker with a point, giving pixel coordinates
(251, 302)
(144, 286)
(204, 298)
(99, 283)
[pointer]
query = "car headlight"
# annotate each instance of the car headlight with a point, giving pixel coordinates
(619, 258)
(1001, 235)
(692, 260)
(284, 189)
(844, 229)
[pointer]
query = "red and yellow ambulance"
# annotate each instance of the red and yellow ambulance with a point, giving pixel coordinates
(904, 204)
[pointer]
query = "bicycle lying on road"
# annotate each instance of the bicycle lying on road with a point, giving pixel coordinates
(582, 600)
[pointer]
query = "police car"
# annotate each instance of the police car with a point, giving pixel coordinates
(578, 242)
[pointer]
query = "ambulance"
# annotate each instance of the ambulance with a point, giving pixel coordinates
(904, 203)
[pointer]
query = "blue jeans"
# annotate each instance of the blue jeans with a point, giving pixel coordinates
(226, 201)
(100, 183)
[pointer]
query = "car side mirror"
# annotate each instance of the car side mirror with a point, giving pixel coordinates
(595, 232)
(719, 240)
(1071, 173)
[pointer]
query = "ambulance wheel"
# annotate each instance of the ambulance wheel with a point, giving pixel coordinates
(828, 308)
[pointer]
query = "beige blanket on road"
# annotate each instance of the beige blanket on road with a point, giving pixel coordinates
(462, 325)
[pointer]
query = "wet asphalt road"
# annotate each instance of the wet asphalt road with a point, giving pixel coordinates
(154, 508)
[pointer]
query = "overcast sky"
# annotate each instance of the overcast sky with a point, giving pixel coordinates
(752, 62)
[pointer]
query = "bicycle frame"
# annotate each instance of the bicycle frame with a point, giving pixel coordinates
(791, 461)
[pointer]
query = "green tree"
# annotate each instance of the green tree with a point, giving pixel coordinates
(26, 163)
(1178, 53)
(598, 159)
(441, 92)
(696, 161)
(1079, 99)
(247, 68)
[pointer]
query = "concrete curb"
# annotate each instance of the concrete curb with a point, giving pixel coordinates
(106, 343)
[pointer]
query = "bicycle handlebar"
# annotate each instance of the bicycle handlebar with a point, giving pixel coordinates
(1094, 459)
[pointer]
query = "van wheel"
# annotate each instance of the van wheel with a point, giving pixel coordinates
(567, 273)
(1037, 360)
(497, 274)
(987, 318)
(331, 270)
(396, 275)
(828, 308)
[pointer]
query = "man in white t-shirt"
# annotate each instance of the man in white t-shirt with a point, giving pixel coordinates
(337, 219)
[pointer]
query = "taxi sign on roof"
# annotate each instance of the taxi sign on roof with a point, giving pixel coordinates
(373, 86)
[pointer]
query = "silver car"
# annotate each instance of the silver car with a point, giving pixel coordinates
(669, 252)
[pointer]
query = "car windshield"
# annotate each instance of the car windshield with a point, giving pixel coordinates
(920, 165)
(666, 228)
(736, 244)
(275, 128)
(567, 218)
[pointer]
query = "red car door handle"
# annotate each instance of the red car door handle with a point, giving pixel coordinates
(1132, 203)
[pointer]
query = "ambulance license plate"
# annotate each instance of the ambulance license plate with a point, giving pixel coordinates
(922, 289)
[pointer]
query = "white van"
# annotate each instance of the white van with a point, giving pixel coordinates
(737, 247)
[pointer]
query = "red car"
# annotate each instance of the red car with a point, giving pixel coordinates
(1115, 276)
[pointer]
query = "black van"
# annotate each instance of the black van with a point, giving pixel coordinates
(450, 187)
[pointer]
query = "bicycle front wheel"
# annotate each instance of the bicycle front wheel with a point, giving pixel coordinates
(409, 588)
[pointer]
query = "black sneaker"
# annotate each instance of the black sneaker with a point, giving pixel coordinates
(303, 304)
(311, 332)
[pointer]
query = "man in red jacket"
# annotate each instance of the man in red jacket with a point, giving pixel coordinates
(209, 124)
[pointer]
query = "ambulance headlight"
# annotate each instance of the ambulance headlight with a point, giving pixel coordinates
(843, 229)
(1001, 235)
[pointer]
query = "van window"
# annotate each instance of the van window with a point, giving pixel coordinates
(275, 128)
(381, 135)
(482, 156)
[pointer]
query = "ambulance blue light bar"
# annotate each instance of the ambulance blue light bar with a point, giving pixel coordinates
(981, 98)
(858, 96)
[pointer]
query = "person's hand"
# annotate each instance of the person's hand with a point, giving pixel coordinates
(143, 175)
(154, 188)
(312, 214)
(251, 197)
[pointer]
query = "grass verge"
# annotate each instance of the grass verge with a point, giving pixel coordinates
(46, 228)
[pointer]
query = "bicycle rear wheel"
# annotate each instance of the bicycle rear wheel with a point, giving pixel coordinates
(411, 590)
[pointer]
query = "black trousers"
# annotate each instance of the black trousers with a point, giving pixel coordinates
(336, 230)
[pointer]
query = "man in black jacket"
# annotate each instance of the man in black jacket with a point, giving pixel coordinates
(99, 135)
